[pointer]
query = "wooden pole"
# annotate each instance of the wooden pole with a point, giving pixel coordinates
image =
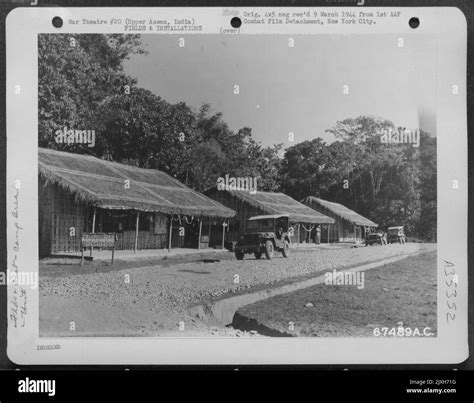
(200, 230)
(171, 231)
(329, 227)
(299, 234)
(136, 233)
(93, 224)
(223, 234)
(209, 239)
(93, 220)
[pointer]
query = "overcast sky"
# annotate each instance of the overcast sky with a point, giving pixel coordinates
(297, 89)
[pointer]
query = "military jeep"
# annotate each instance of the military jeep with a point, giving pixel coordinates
(396, 234)
(264, 234)
(376, 237)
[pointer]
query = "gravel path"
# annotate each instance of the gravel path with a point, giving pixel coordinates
(176, 287)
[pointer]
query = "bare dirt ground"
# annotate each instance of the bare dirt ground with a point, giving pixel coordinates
(404, 291)
(153, 300)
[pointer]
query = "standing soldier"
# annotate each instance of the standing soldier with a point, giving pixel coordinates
(318, 234)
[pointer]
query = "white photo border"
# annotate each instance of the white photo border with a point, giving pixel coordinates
(447, 24)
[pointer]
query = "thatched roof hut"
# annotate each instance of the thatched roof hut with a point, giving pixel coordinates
(303, 219)
(280, 203)
(339, 210)
(349, 226)
(267, 203)
(145, 208)
(110, 185)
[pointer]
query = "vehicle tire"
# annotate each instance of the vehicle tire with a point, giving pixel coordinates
(258, 255)
(269, 250)
(286, 249)
(239, 255)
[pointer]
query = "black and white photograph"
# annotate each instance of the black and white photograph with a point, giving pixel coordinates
(205, 186)
(242, 189)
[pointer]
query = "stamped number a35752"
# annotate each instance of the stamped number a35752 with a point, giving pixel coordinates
(451, 280)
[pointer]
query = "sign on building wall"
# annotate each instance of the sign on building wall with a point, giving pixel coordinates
(160, 224)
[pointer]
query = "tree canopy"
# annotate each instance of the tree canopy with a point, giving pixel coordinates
(82, 85)
(392, 184)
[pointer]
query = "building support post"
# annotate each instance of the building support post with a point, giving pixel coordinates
(171, 232)
(200, 230)
(299, 234)
(329, 228)
(136, 232)
(93, 226)
(223, 234)
(93, 220)
(209, 240)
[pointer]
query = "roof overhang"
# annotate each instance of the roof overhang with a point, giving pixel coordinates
(262, 217)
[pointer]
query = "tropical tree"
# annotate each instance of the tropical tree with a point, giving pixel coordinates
(393, 184)
(76, 74)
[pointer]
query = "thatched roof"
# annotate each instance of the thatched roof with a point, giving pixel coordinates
(339, 210)
(280, 203)
(102, 183)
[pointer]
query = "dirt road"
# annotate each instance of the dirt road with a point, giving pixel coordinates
(154, 300)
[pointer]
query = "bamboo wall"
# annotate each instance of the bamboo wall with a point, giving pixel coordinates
(58, 214)
(237, 223)
(245, 211)
(342, 230)
(59, 211)
(146, 240)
